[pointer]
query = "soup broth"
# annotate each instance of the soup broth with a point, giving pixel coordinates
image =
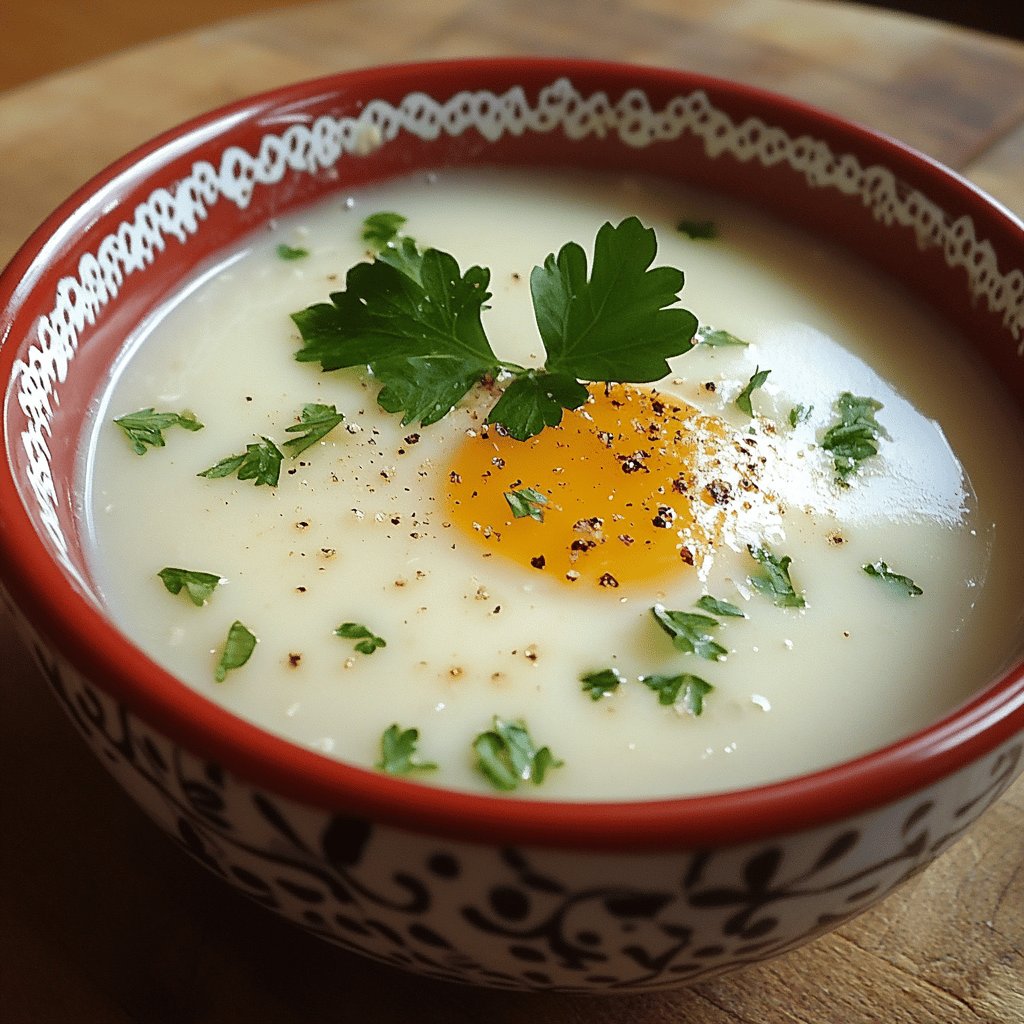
(561, 617)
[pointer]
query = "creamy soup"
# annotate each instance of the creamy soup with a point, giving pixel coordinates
(574, 617)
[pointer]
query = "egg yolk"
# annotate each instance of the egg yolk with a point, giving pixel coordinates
(606, 498)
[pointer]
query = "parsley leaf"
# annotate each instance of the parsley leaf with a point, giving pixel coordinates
(881, 571)
(316, 422)
(238, 648)
(507, 756)
(368, 641)
(699, 230)
(756, 381)
(417, 328)
(288, 252)
(198, 585)
(398, 752)
(146, 427)
(715, 338)
(717, 607)
(690, 632)
(686, 689)
(526, 502)
(381, 229)
(800, 414)
(615, 326)
(259, 462)
(535, 400)
(601, 684)
(774, 581)
(854, 438)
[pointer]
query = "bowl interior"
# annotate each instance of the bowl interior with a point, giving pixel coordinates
(121, 246)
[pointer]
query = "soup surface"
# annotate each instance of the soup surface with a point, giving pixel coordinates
(564, 582)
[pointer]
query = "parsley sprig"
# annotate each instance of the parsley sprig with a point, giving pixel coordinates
(398, 754)
(685, 689)
(238, 648)
(414, 319)
(508, 756)
(145, 428)
(882, 572)
(315, 422)
(526, 502)
(199, 586)
(773, 581)
(690, 632)
(602, 683)
(854, 437)
(260, 462)
(368, 641)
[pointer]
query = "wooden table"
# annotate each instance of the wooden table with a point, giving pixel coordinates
(101, 919)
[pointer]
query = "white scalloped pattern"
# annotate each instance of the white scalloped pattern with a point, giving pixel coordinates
(318, 146)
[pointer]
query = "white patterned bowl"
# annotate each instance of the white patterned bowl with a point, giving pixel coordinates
(517, 894)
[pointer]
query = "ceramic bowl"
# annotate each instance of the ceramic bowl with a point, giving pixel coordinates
(490, 891)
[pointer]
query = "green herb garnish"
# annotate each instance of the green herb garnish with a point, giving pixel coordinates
(507, 756)
(690, 632)
(368, 641)
(716, 338)
(800, 414)
(315, 423)
(601, 684)
(381, 229)
(198, 585)
(290, 252)
(700, 230)
(145, 428)
(743, 398)
(398, 752)
(526, 502)
(685, 689)
(259, 462)
(717, 607)
(413, 318)
(881, 571)
(854, 438)
(774, 581)
(238, 649)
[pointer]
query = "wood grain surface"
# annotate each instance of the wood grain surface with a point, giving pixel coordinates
(102, 920)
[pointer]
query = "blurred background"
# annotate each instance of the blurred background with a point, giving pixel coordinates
(40, 38)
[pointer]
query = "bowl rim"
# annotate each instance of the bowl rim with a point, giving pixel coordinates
(94, 645)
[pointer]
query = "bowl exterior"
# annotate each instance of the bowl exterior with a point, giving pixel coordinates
(625, 900)
(523, 916)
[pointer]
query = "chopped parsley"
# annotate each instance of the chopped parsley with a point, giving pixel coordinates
(199, 586)
(743, 398)
(398, 754)
(773, 581)
(715, 338)
(800, 414)
(145, 428)
(699, 230)
(260, 463)
(381, 229)
(315, 423)
(507, 756)
(238, 648)
(882, 572)
(685, 689)
(854, 437)
(714, 606)
(601, 684)
(368, 640)
(526, 502)
(291, 252)
(690, 632)
(414, 319)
